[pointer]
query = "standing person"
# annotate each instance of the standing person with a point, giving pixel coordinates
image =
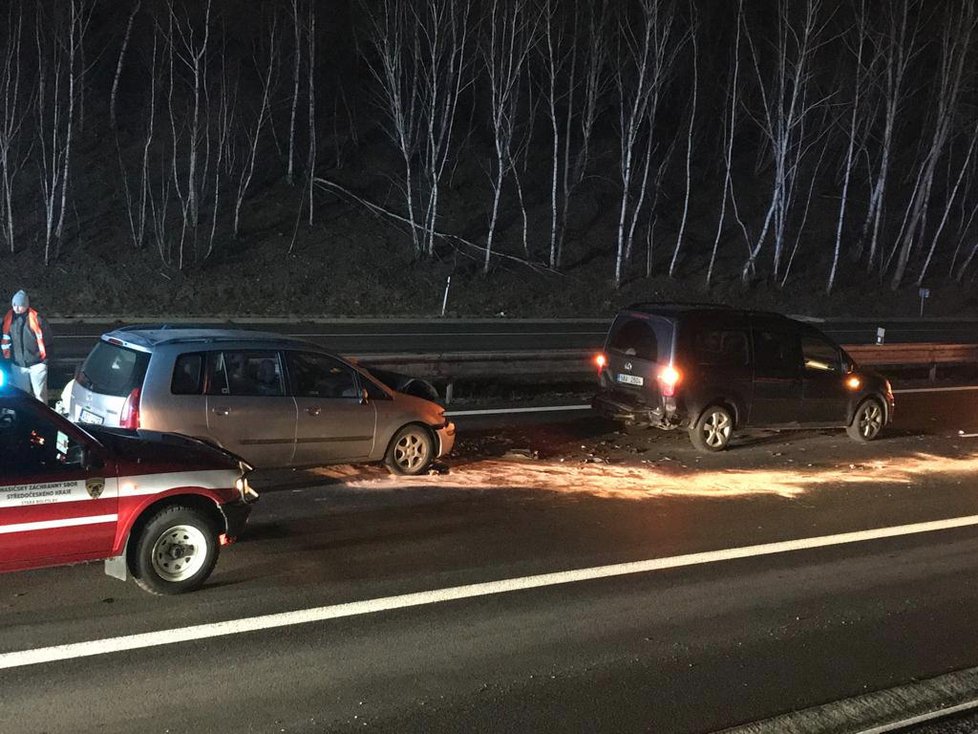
(22, 343)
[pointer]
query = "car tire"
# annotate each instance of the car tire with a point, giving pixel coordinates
(712, 430)
(175, 551)
(867, 421)
(411, 451)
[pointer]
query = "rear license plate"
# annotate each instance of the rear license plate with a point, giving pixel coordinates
(88, 416)
(630, 379)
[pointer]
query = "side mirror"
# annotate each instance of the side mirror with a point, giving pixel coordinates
(364, 396)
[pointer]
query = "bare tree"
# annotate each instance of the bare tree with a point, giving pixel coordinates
(896, 47)
(972, 137)
(189, 45)
(955, 46)
(57, 87)
(730, 133)
(137, 202)
(785, 111)
(861, 30)
(511, 37)
(640, 75)
(311, 155)
(296, 70)
(12, 116)
(119, 64)
(394, 36)
(689, 144)
(575, 81)
(261, 116)
(443, 73)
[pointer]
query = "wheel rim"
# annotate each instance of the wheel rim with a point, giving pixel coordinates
(870, 420)
(717, 428)
(411, 451)
(179, 553)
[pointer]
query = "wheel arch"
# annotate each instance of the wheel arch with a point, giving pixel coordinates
(205, 505)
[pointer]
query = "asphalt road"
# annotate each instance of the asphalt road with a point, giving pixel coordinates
(695, 645)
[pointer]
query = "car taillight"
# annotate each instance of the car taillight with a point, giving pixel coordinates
(601, 361)
(129, 417)
(668, 378)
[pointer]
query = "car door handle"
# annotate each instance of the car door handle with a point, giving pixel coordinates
(221, 411)
(316, 410)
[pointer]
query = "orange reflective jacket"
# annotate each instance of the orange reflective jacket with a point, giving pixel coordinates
(33, 323)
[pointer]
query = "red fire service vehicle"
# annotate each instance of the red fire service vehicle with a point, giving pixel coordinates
(154, 506)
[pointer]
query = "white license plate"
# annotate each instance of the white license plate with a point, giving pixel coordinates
(88, 416)
(630, 379)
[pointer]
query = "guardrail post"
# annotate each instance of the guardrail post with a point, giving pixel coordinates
(932, 375)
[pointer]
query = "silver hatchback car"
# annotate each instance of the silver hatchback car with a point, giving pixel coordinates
(272, 400)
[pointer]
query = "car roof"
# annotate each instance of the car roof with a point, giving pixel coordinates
(676, 309)
(149, 338)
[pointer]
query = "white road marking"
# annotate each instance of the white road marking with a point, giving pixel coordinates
(960, 388)
(75, 650)
(503, 411)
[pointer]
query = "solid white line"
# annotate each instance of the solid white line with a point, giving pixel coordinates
(319, 614)
(961, 388)
(929, 716)
(70, 522)
(503, 411)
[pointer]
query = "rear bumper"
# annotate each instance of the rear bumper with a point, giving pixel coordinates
(446, 438)
(620, 408)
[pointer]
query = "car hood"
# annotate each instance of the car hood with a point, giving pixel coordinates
(431, 413)
(171, 450)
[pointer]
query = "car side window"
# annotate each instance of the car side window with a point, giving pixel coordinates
(776, 350)
(245, 373)
(188, 373)
(321, 376)
(723, 347)
(820, 355)
(32, 444)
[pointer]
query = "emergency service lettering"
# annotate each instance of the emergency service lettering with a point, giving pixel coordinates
(36, 494)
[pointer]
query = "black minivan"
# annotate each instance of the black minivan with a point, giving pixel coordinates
(712, 370)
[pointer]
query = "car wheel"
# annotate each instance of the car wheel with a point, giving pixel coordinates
(867, 422)
(713, 429)
(175, 552)
(411, 451)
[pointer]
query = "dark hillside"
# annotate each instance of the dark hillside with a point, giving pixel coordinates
(835, 116)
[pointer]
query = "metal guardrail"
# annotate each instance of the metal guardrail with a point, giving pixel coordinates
(447, 367)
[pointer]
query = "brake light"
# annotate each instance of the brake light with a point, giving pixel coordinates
(668, 378)
(600, 360)
(129, 417)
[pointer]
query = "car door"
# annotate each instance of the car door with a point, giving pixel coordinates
(777, 374)
(248, 409)
(58, 502)
(825, 398)
(335, 423)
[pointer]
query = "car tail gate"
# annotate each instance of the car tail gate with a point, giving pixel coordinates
(638, 357)
(107, 385)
